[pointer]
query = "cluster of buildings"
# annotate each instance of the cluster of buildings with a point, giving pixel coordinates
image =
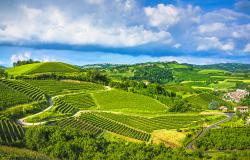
(236, 96)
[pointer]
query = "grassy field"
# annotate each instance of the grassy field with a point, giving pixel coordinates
(42, 68)
(212, 71)
(117, 100)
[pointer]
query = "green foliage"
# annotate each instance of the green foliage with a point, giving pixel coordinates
(19, 63)
(11, 133)
(118, 100)
(213, 105)
(63, 107)
(97, 76)
(71, 144)
(153, 74)
(180, 105)
(225, 139)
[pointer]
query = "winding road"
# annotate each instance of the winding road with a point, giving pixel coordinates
(22, 120)
(190, 144)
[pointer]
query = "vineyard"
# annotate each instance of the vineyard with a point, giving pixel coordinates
(56, 87)
(33, 92)
(79, 124)
(53, 67)
(80, 101)
(225, 139)
(11, 97)
(11, 133)
(63, 107)
(114, 126)
(151, 124)
(117, 100)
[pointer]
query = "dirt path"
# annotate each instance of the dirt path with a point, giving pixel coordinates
(190, 144)
(22, 120)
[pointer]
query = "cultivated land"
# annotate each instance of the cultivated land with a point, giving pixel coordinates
(131, 103)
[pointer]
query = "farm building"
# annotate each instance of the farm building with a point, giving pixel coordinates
(223, 108)
(242, 109)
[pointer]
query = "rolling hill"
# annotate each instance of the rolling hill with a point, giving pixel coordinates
(44, 67)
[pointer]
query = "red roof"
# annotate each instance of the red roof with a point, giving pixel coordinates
(242, 107)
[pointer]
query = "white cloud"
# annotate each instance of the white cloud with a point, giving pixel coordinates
(52, 25)
(207, 43)
(20, 57)
(247, 48)
(213, 27)
(163, 16)
(177, 45)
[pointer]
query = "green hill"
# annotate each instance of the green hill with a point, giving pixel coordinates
(44, 67)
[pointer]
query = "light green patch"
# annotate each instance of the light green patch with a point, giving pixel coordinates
(19, 70)
(212, 71)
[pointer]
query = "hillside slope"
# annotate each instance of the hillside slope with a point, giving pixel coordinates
(42, 68)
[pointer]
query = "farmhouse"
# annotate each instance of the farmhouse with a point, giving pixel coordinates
(242, 109)
(223, 108)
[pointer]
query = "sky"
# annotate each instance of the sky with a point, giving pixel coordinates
(125, 31)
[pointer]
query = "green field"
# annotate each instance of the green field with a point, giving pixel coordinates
(117, 100)
(56, 87)
(42, 68)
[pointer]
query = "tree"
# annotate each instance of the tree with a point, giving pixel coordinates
(213, 105)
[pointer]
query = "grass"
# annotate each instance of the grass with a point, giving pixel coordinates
(19, 70)
(117, 100)
(171, 138)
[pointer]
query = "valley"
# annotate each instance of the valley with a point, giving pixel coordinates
(158, 104)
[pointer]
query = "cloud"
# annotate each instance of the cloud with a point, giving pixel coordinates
(247, 48)
(207, 43)
(51, 25)
(163, 16)
(213, 27)
(20, 57)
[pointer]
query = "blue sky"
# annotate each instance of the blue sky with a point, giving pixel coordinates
(125, 31)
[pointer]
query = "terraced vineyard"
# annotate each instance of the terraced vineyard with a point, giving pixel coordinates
(150, 124)
(11, 133)
(114, 126)
(79, 124)
(80, 101)
(33, 92)
(63, 107)
(10, 97)
(55, 87)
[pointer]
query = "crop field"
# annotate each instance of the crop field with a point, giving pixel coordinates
(118, 100)
(212, 71)
(151, 124)
(55, 87)
(80, 124)
(80, 101)
(10, 132)
(27, 89)
(114, 126)
(63, 107)
(11, 97)
(53, 67)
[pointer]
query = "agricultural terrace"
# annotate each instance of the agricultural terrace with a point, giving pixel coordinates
(11, 133)
(57, 87)
(118, 100)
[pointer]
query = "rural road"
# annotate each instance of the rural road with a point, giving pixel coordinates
(22, 120)
(190, 144)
